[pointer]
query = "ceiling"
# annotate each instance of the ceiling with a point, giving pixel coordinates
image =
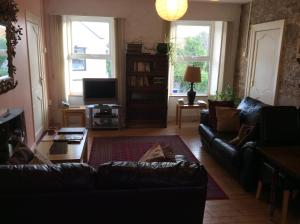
(225, 1)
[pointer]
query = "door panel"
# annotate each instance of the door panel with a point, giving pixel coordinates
(34, 52)
(264, 61)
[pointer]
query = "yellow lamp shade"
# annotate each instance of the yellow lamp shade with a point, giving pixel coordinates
(171, 10)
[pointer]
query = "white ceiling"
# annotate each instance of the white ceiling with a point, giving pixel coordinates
(225, 1)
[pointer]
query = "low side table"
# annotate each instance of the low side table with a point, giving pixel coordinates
(73, 111)
(180, 107)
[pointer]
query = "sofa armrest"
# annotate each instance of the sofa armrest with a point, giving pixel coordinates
(249, 169)
(204, 117)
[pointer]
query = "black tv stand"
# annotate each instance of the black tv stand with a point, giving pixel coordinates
(104, 116)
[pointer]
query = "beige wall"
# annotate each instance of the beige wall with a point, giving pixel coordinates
(21, 96)
(289, 73)
(143, 24)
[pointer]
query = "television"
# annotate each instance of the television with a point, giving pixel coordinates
(99, 91)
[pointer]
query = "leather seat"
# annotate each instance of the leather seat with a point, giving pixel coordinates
(233, 159)
(117, 192)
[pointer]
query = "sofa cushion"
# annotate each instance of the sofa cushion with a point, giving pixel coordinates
(212, 104)
(134, 175)
(228, 119)
(250, 110)
(279, 125)
(245, 134)
(154, 154)
(40, 158)
(22, 155)
(46, 178)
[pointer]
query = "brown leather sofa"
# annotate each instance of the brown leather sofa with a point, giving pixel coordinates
(117, 192)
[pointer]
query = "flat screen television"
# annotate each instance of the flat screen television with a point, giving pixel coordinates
(99, 91)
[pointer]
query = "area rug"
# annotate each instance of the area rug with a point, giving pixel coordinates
(131, 148)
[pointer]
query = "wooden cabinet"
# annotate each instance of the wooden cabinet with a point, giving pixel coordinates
(146, 90)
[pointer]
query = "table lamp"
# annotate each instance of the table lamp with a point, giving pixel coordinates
(192, 75)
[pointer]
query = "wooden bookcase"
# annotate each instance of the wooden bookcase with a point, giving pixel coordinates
(146, 90)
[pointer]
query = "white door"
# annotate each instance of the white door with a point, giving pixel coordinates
(36, 74)
(264, 60)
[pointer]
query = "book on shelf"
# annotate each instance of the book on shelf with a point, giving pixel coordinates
(146, 81)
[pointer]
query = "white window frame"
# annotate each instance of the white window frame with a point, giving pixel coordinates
(190, 59)
(69, 55)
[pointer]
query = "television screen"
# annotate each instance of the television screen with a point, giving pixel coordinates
(98, 91)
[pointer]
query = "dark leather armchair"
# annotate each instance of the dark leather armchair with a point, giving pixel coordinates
(117, 192)
(238, 161)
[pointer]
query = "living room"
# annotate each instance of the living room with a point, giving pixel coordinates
(231, 47)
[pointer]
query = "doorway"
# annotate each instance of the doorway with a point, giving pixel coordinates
(264, 61)
(35, 55)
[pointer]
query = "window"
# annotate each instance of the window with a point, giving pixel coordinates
(89, 50)
(193, 41)
(79, 64)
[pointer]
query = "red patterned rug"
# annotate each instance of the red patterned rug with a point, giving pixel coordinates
(131, 148)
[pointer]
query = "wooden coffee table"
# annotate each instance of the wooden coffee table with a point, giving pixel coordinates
(76, 153)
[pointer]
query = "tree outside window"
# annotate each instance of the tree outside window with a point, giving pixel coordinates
(192, 47)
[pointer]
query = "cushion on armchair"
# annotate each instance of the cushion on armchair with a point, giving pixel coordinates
(228, 119)
(212, 104)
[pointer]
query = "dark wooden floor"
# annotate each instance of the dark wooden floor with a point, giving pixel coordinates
(242, 207)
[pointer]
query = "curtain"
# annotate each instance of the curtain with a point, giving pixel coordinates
(120, 62)
(56, 66)
(166, 32)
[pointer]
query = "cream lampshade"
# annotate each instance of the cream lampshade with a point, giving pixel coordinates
(171, 10)
(192, 75)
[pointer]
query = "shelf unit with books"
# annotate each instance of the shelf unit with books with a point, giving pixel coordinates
(146, 90)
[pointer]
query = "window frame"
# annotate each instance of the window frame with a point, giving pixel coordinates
(69, 55)
(190, 59)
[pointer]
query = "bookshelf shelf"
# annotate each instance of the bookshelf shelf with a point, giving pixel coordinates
(146, 90)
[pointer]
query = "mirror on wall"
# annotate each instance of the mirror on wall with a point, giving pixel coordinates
(3, 54)
(10, 35)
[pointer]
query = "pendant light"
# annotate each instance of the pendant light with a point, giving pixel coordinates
(171, 10)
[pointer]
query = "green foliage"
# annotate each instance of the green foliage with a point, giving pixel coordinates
(3, 59)
(3, 43)
(193, 46)
(226, 94)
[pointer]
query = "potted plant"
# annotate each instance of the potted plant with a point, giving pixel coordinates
(226, 95)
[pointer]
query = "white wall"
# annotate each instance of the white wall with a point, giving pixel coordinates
(143, 24)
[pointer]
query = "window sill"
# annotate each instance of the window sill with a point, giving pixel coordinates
(76, 95)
